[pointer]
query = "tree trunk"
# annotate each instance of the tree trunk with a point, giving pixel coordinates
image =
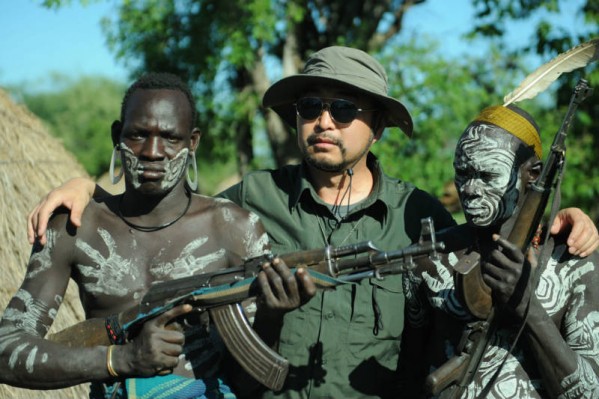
(281, 137)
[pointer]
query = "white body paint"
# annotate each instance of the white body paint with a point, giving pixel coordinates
(561, 289)
(107, 273)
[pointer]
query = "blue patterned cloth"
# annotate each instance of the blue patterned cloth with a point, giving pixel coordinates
(164, 387)
(177, 387)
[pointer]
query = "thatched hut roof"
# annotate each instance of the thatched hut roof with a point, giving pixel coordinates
(32, 162)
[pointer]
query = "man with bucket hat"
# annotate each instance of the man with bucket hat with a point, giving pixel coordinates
(343, 343)
(346, 69)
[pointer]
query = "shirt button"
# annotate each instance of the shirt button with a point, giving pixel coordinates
(330, 315)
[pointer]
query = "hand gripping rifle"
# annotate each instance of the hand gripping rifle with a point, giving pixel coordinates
(458, 372)
(220, 293)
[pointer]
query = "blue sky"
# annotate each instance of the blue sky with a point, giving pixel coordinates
(35, 41)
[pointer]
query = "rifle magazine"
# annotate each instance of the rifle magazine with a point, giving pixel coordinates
(256, 358)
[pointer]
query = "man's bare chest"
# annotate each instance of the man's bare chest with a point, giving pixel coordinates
(124, 265)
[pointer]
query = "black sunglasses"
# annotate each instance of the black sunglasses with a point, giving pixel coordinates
(342, 111)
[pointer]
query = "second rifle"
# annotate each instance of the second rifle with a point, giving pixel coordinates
(458, 372)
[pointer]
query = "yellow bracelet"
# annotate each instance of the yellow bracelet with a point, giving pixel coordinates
(109, 362)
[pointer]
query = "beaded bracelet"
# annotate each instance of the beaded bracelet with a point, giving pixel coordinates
(109, 367)
(116, 335)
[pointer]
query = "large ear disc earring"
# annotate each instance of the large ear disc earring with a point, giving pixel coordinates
(192, 164)
(116, 152)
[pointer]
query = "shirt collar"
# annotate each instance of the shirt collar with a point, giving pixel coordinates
(302, 186)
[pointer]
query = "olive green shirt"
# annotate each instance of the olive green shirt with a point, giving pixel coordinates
(344, 343)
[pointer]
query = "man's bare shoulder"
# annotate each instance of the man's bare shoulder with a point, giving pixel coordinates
(230, 225)
(97, 210)
(220, 207)
(104, 208)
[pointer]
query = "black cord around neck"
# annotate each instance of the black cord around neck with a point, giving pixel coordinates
(148, 229)
(336, 208)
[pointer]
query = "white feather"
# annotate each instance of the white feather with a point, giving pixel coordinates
(539, 80)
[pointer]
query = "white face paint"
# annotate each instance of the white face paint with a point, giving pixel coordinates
(486, 181)
(173, 168)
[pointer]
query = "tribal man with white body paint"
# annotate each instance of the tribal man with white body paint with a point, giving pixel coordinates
(344, 343)
(557, 356)
(156, 230)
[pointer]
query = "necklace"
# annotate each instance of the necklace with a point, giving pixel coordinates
(149, 229)
(336, 208)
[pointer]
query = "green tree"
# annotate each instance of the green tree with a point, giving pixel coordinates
(231, 51)
(80, 113)
(443, 96)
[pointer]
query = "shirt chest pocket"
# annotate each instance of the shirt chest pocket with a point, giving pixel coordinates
(379, 308)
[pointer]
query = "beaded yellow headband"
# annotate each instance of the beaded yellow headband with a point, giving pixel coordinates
(513, 123)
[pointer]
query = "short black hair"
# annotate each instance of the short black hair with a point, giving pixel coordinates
(160, 80)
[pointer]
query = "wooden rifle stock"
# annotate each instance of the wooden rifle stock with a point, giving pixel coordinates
(475, 293)
(220, 293)
(452, 377)
(449, 372)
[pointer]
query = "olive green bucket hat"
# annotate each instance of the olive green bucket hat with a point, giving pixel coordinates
(344, 67)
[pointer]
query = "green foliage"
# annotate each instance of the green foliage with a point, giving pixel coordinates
(223, 48)
(581, 182)
(207, 42)
(56, 4)
(80, 114)
(214, 177)
(443, 96)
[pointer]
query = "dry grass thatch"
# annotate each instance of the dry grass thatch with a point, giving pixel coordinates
(31, 163)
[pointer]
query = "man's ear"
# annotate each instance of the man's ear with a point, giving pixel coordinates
(534, 170)
(196, 134)
(115, 132)
(378, 126)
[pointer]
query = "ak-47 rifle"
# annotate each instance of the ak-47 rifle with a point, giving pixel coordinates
(220, 293)
(458, 372)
